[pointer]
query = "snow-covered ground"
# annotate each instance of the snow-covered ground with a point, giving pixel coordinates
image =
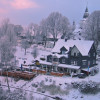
(21, 57)
(73, 94)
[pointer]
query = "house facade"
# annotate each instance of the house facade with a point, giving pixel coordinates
(70, 56)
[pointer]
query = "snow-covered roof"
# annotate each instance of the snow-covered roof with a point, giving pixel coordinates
(90, 69)
(60, 65)
(45, 62)
(59, 56)
(82, 45)
(69, 66)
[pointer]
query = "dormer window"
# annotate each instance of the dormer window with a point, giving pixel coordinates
(63, 52)
(63, 60)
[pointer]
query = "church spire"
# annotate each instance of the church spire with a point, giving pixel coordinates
(86, 14)
(86, 10)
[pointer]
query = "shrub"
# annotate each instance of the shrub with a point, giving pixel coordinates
(89, 87)
(42, 83)
(75, 84)
(39, 89)
(46, 79)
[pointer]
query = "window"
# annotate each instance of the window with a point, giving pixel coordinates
(75, 71)
(78, 54)
(94, 54)
(88, 62)
(63, 52)
(89, 54)
(55, 59)
(63, 60)
(94, 62)
(84, 62)
(50, 59)
(74, 54)
(73, 62)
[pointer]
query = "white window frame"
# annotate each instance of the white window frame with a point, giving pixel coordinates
(73, 62)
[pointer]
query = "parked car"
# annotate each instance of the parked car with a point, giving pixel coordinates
(82, 75)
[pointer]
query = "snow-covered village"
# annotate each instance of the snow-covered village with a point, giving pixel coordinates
(49, 50)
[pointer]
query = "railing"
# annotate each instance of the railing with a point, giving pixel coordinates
(39, 71)
(57, 74)
(18, 74)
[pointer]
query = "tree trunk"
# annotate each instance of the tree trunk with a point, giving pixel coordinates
(45, 43)
(54, 41)
(25, 51)
(7, 80)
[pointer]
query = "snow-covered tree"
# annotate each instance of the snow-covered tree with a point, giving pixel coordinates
(7, 29)
(33, 32)
(25, 45)
(35, 52)
(4, 26)
(7, 44)
(6, 53)
(6, 50)
(56, 24)
(44, 31)
(91, 28)
(73, 26)
(18, 29)
(17, 94)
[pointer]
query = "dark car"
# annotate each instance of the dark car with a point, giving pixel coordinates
(82, 75)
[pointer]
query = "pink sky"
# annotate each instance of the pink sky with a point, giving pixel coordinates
(23, 4)
(26, 11)
(7, 5)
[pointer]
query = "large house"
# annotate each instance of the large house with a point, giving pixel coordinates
(70, 56)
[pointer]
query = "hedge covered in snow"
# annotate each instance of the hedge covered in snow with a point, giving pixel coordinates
(87, 87)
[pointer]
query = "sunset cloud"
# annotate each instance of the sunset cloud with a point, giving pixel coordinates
(23, 4)
(3, 11)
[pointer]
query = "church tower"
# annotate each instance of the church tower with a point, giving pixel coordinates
(86, 14)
